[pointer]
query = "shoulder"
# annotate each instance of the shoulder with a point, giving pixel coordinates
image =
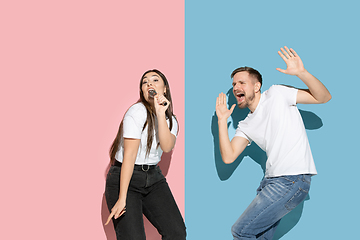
(282, 89)
(288, 93)
(135, 116)
(136, 110)
(278, 87)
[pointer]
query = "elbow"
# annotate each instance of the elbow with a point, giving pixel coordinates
(166, 149)
(227, 160)
(326, 98)
(167, 145)
(329, 98)
(226, 157)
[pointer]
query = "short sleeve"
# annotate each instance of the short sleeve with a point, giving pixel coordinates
(175, 126)
(134, 121)
(239, 133)
(289, 93)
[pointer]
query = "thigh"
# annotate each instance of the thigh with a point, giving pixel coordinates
(130, 225)
(160, 208)
(112, 186)
(300, 191)
(276, 197)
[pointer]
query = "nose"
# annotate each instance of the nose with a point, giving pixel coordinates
(236, 87)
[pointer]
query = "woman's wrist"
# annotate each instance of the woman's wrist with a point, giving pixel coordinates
(161, 115)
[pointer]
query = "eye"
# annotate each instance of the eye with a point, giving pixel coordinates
(144, 82)
(156, 80)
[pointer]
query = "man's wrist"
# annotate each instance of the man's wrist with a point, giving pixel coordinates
(222, 121)
(302, 73)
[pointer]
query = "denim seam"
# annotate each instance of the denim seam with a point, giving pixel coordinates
(308, 182)
(293, 197)
(242, 231)
(287, 179)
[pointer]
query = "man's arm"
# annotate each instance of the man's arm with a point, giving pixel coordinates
(229, 150)
(317, 92)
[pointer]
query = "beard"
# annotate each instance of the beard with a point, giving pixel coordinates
(248, 100)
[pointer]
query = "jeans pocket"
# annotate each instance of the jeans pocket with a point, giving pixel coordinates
(290, 178)
(113, 175)
(154, 176)
(295, 200)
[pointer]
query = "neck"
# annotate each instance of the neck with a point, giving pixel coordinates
(151, 103)
(252, 107)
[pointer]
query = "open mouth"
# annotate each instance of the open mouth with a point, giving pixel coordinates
(152, 93)
(240, 97)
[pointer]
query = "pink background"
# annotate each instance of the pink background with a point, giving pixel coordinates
(68, 71)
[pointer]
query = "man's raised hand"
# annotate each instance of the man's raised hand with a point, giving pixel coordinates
(222, 112)
(294, 65)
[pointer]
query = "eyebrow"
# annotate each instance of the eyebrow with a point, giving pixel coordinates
(151, 76)
(239, 81)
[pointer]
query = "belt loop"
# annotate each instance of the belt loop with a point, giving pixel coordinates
(142, 168)
(304, 177)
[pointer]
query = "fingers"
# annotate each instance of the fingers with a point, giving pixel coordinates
(218, 100)
(287, 53)
(222, 111)
(282, 56)
(293, 52)
(162, 100)
(116, 214)
(232, 108)
(109, 218)
(221, 99)
(280, 70)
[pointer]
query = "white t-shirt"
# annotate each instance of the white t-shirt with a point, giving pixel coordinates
(133, 124)
(277, 128)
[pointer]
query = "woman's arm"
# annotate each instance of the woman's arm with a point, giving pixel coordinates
(166, 138)
(131, 147)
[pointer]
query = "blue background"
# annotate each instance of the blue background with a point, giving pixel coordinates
(223, 35)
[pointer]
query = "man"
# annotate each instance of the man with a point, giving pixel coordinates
(275, 125)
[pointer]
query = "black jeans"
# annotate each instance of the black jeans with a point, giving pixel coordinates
(148, 194)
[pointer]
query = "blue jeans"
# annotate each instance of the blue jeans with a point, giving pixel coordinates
(148, 194)
(276, 197)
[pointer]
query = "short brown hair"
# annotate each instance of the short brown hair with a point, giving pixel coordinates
(252, 72)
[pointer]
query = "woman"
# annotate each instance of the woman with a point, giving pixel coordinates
(135, 184)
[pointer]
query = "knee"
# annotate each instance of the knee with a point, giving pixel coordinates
(238, 234)
(235, 232)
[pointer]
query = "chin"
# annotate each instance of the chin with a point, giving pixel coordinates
(242, 105)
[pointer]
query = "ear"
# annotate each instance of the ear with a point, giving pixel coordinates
(257, 86)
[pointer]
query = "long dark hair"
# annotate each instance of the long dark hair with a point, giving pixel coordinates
(150, 120)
